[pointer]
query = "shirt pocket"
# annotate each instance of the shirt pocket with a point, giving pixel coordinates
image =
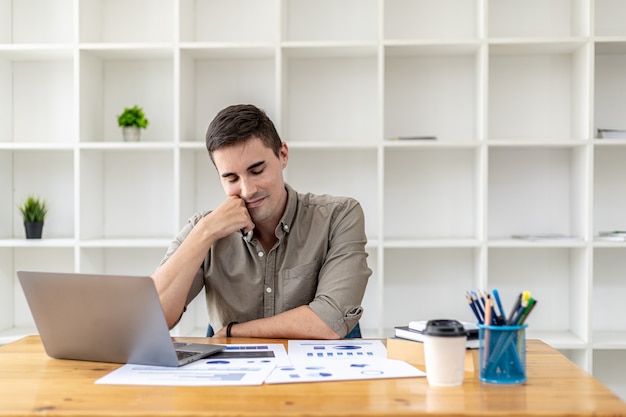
(299, 285)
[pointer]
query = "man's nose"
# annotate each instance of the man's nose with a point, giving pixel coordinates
(248, 188)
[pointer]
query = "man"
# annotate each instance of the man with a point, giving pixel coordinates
(275, 263)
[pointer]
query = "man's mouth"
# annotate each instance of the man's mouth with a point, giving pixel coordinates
(254, 204)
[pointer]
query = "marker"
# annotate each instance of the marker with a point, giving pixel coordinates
(531, 304)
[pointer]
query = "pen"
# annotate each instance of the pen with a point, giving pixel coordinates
(496, 296)
(514, 310)
(523, 304)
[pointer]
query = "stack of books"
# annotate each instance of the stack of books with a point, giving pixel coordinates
(415, 332)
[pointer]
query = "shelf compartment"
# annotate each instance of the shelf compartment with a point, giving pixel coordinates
(126, 194)
(535, 191)
(342, 90)
(330, 20)
(41, 259)
(200, 186)
(556, 278)
(609, 189)
(425, 282)
(609, 18)
(440, 87)
(609, 366)
(609, 86)
(109, 82)
(36, 89)
(208, 84)
(322, 171)
(538, 91)
(46, 174)
(430, 183)
(223, 21)
(427, 19)
(126, 20)
(608, 293)
(36, 21)
(537, 18)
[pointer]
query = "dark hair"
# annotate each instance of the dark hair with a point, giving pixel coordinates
(238, 123)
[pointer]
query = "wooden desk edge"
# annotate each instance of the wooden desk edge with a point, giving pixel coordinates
(72, 396)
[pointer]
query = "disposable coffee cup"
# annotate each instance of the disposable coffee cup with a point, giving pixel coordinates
(444, 352)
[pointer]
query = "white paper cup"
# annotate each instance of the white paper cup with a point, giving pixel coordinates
(444, 352)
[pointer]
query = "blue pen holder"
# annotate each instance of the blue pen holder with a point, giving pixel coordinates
(502, 354)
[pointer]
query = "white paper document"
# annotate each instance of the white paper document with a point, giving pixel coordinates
(343, 370)
(332, 350)
(244, 364)
(249, 364)
(339, 360)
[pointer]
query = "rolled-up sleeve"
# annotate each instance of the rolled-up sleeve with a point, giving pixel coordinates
(344, 273)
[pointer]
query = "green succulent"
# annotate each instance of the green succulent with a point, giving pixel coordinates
(33, 209)
(132, 116)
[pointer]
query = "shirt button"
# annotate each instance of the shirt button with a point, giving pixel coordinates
(260, 254)
(268, 289)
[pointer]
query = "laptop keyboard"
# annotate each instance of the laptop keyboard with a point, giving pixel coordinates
(183, 354)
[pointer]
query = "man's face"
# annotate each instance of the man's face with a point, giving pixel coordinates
(251, 171)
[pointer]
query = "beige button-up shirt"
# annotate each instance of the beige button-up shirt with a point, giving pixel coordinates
(319, 261)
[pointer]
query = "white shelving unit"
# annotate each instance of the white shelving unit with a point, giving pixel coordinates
(514, 90)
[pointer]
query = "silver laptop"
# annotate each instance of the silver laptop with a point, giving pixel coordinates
(104, 318)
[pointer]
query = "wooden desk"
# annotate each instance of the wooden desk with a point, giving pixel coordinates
(32, 384)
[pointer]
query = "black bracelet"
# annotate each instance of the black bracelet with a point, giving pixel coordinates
(230, 326)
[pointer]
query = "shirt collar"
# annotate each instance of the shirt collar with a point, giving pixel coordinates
(286, 222)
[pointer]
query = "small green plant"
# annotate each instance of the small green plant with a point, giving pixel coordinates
(132, 116)
(33, 209)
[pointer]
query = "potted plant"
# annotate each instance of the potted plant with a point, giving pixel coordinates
(33, 211)
(131, 121)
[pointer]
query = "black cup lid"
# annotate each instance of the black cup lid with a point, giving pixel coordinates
(444, 328)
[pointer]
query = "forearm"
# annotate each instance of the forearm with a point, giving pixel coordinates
(298, 323)
(174, 278)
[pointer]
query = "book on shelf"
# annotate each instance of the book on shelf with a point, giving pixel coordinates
(415, 332)
(614, 235)
(417, 137)
(545, 237)
(611, 134)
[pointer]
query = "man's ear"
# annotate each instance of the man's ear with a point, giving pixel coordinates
(283, 155)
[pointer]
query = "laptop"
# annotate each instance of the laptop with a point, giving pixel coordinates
(104, 318)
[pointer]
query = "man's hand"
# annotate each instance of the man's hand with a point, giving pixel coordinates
(230, 217)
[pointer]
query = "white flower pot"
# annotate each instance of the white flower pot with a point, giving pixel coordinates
(131, 133)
